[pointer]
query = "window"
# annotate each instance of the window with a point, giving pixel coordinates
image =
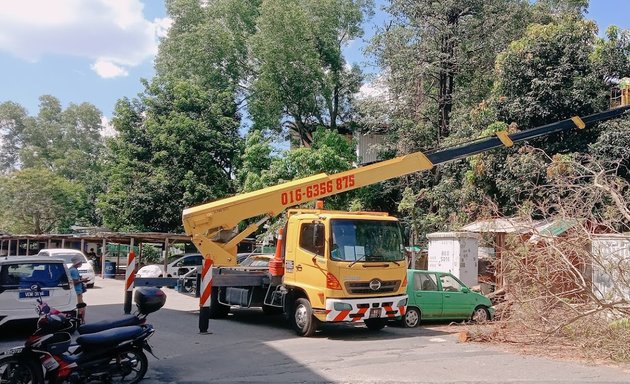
(312, 238)
(366, 240)
(26, 274)
(449, 284)
(192, 261)
(425, 282)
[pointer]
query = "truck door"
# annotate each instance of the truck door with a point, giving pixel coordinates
(310, 261)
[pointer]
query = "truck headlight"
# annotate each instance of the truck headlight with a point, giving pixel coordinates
(342, 306)
(402, 303)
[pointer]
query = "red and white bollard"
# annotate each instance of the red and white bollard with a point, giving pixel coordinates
(130, 276)
(206, 296)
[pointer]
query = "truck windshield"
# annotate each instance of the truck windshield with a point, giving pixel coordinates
(366, 240)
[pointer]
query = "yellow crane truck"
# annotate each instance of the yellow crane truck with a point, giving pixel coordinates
(331, 266)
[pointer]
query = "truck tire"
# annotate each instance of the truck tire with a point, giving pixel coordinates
(375, 324)
(304, 323)
(217, 310)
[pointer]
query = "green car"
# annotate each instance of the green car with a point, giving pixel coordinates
(440, 295)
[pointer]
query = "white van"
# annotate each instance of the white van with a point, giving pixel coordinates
(19, 273)
(66, 254)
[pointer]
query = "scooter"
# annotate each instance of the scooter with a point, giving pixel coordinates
(112, 355)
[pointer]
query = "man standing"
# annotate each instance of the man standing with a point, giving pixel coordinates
(94, 260)
(79, 283)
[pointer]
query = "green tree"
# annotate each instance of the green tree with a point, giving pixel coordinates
(611, 147)
(255, 162)
(547, 75)
(67, 142)
(330, 153)
(178, 142)
(177, 146)
(13, 121)
(611, 56)
(438, 56)
(36, 201)
(438, 62)
(207, 43)
(301, 79)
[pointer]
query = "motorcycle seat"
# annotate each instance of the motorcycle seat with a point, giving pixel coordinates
(110, 337)
(109, 324)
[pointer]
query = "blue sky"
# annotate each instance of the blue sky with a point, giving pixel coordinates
(98, 50)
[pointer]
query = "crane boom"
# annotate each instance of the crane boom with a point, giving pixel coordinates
(211, 224)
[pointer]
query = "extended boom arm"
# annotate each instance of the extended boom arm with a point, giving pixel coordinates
(211, 225)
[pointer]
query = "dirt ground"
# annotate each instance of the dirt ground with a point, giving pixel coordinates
(554, 348)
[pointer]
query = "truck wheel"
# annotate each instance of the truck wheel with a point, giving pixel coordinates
(375, 324)
(304, 322)
(217, 310)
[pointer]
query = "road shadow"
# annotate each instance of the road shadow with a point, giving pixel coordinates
(334, 331)
(183, 353)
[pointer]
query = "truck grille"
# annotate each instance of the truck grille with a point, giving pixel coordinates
(363, 287)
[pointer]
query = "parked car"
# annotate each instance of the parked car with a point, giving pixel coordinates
(19, 273)
(440, 295)
(176, 268)
(256, 261)
(66, 254)
(150, 270)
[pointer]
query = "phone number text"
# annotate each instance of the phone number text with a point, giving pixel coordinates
(315, 190)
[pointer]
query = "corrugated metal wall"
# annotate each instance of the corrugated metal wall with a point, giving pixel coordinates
(368, 146)
(613, 252)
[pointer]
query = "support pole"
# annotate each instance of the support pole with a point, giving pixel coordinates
(103, 251)
(165, 262)
(204, 300)
(130, 275)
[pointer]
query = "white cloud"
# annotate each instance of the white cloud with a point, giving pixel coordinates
(107, 69)
(112, 33)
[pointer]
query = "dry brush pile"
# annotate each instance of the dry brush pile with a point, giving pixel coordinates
(568, 284)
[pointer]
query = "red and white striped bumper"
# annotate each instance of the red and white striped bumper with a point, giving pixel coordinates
(365, 308)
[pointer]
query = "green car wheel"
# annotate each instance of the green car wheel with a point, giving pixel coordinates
(480, 314)
(411, 318)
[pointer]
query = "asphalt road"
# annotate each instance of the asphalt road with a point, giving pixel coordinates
(251, 347)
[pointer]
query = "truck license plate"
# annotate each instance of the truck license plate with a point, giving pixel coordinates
(375, 312)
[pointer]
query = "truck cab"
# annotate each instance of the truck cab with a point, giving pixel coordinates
(350, 266)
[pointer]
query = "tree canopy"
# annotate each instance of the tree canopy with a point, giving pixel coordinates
(248, 94)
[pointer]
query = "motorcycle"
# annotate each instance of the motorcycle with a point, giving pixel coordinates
(114, 355)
